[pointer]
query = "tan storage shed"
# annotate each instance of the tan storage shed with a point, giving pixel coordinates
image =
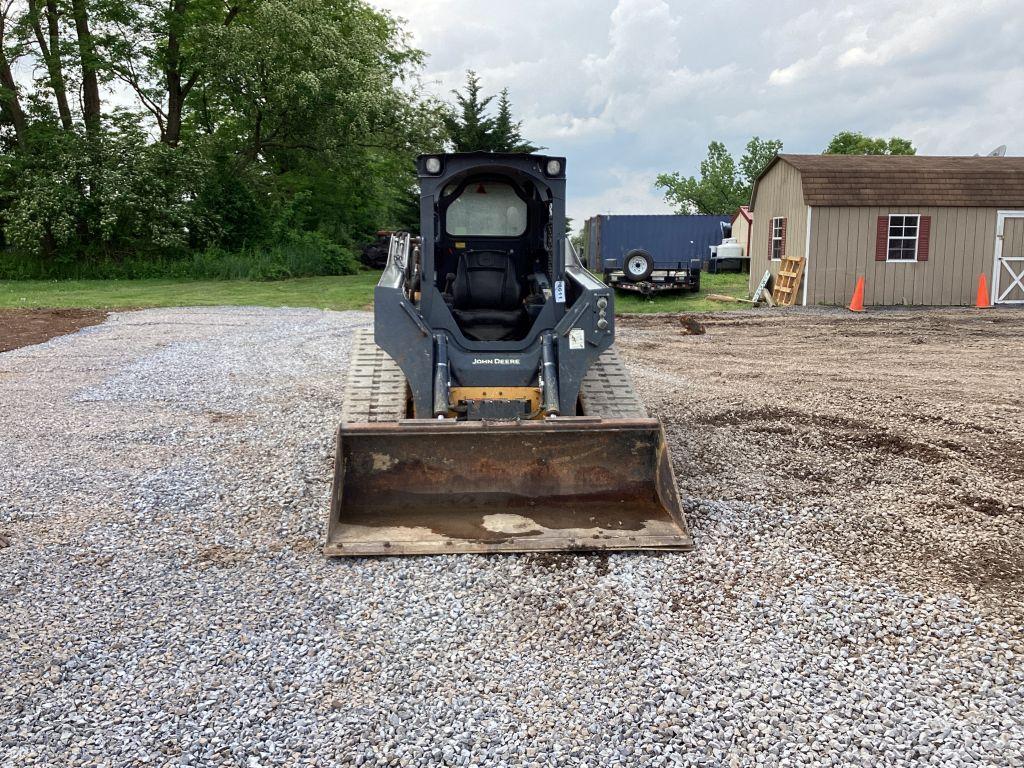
(920, 230)
(742, 228)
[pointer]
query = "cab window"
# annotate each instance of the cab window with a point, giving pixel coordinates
(486, 209)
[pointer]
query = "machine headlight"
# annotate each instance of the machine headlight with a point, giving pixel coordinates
(554, 167)
(433, 165)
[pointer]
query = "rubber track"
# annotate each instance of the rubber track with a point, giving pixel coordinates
(607, 390)
(375, 388)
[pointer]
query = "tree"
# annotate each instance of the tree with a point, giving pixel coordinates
(10, 98)
(759, 153)
(159, 52)
(579, 242)
(49, 49)
(722, 187)
(471, 129)
(313, 107)
(508, 136)
(89, 61)
(256, 124)
(854, 143)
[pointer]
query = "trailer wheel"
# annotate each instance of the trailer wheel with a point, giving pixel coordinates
(638, 265)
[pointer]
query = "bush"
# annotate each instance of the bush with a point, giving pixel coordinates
(300, 254)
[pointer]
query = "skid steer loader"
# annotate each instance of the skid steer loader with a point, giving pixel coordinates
(488, 410)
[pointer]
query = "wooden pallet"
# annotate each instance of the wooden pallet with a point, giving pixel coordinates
(787, 283)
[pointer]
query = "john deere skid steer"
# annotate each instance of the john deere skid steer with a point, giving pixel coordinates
(488, 410)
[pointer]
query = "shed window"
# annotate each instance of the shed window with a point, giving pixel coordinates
(903, 234)
(778, 238)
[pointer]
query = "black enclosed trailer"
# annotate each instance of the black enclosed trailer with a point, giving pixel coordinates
(651, 253)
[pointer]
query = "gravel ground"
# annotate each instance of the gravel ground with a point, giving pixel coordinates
(855, 486)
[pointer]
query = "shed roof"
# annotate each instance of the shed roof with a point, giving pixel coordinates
(743, 211)
(982, 182)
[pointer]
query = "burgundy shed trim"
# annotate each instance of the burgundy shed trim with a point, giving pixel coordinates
(924, 238)
(882, 239)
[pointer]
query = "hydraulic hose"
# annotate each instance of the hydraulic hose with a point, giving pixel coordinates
(442, 377)
(549, 375)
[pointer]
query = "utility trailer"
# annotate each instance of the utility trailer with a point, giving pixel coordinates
(652, 253)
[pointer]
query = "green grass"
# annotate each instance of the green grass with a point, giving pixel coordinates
(726, 284)
(346, 292)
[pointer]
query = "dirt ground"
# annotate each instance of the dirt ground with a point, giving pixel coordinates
(22, 327)
(895, 438)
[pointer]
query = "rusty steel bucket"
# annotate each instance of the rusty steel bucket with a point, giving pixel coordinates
(427, 487)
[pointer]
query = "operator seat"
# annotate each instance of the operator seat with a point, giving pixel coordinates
(487, 297)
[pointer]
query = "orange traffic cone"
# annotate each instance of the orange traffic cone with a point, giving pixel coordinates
(857, 304)
(982, 301)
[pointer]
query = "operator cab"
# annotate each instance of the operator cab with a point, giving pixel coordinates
(493, 253)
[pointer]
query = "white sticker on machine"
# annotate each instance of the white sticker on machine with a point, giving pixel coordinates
(576, 339)
(560, 291)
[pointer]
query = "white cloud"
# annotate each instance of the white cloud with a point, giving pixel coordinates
(628, 88)
(786, 75)
(624, 191)
(907, 33)
(567, 126)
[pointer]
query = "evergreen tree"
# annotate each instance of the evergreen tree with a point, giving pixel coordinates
(508, 136)
(469, 127)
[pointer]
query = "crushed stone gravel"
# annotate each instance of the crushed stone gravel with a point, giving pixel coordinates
(855, 597)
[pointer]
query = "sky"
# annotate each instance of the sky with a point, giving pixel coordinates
(626, 89)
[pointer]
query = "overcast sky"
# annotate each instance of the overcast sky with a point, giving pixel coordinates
(629, 88)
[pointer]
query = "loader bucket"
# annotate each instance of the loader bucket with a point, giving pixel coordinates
(427, 487)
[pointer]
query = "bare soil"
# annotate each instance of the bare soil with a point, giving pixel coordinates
(893, 439)
(23, 327)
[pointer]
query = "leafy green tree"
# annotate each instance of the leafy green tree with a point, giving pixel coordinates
(759, 152)
(160, 52)
(722, 186)
(138, 201)
(853, 143)
(49, 44)
(578, 240)
(315, 108)
(11, 108)
(280, 123)
(89, 66)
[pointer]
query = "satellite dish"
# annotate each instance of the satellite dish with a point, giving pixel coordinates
(999, 151)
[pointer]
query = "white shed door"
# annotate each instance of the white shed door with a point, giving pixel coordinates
(1008, 270)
